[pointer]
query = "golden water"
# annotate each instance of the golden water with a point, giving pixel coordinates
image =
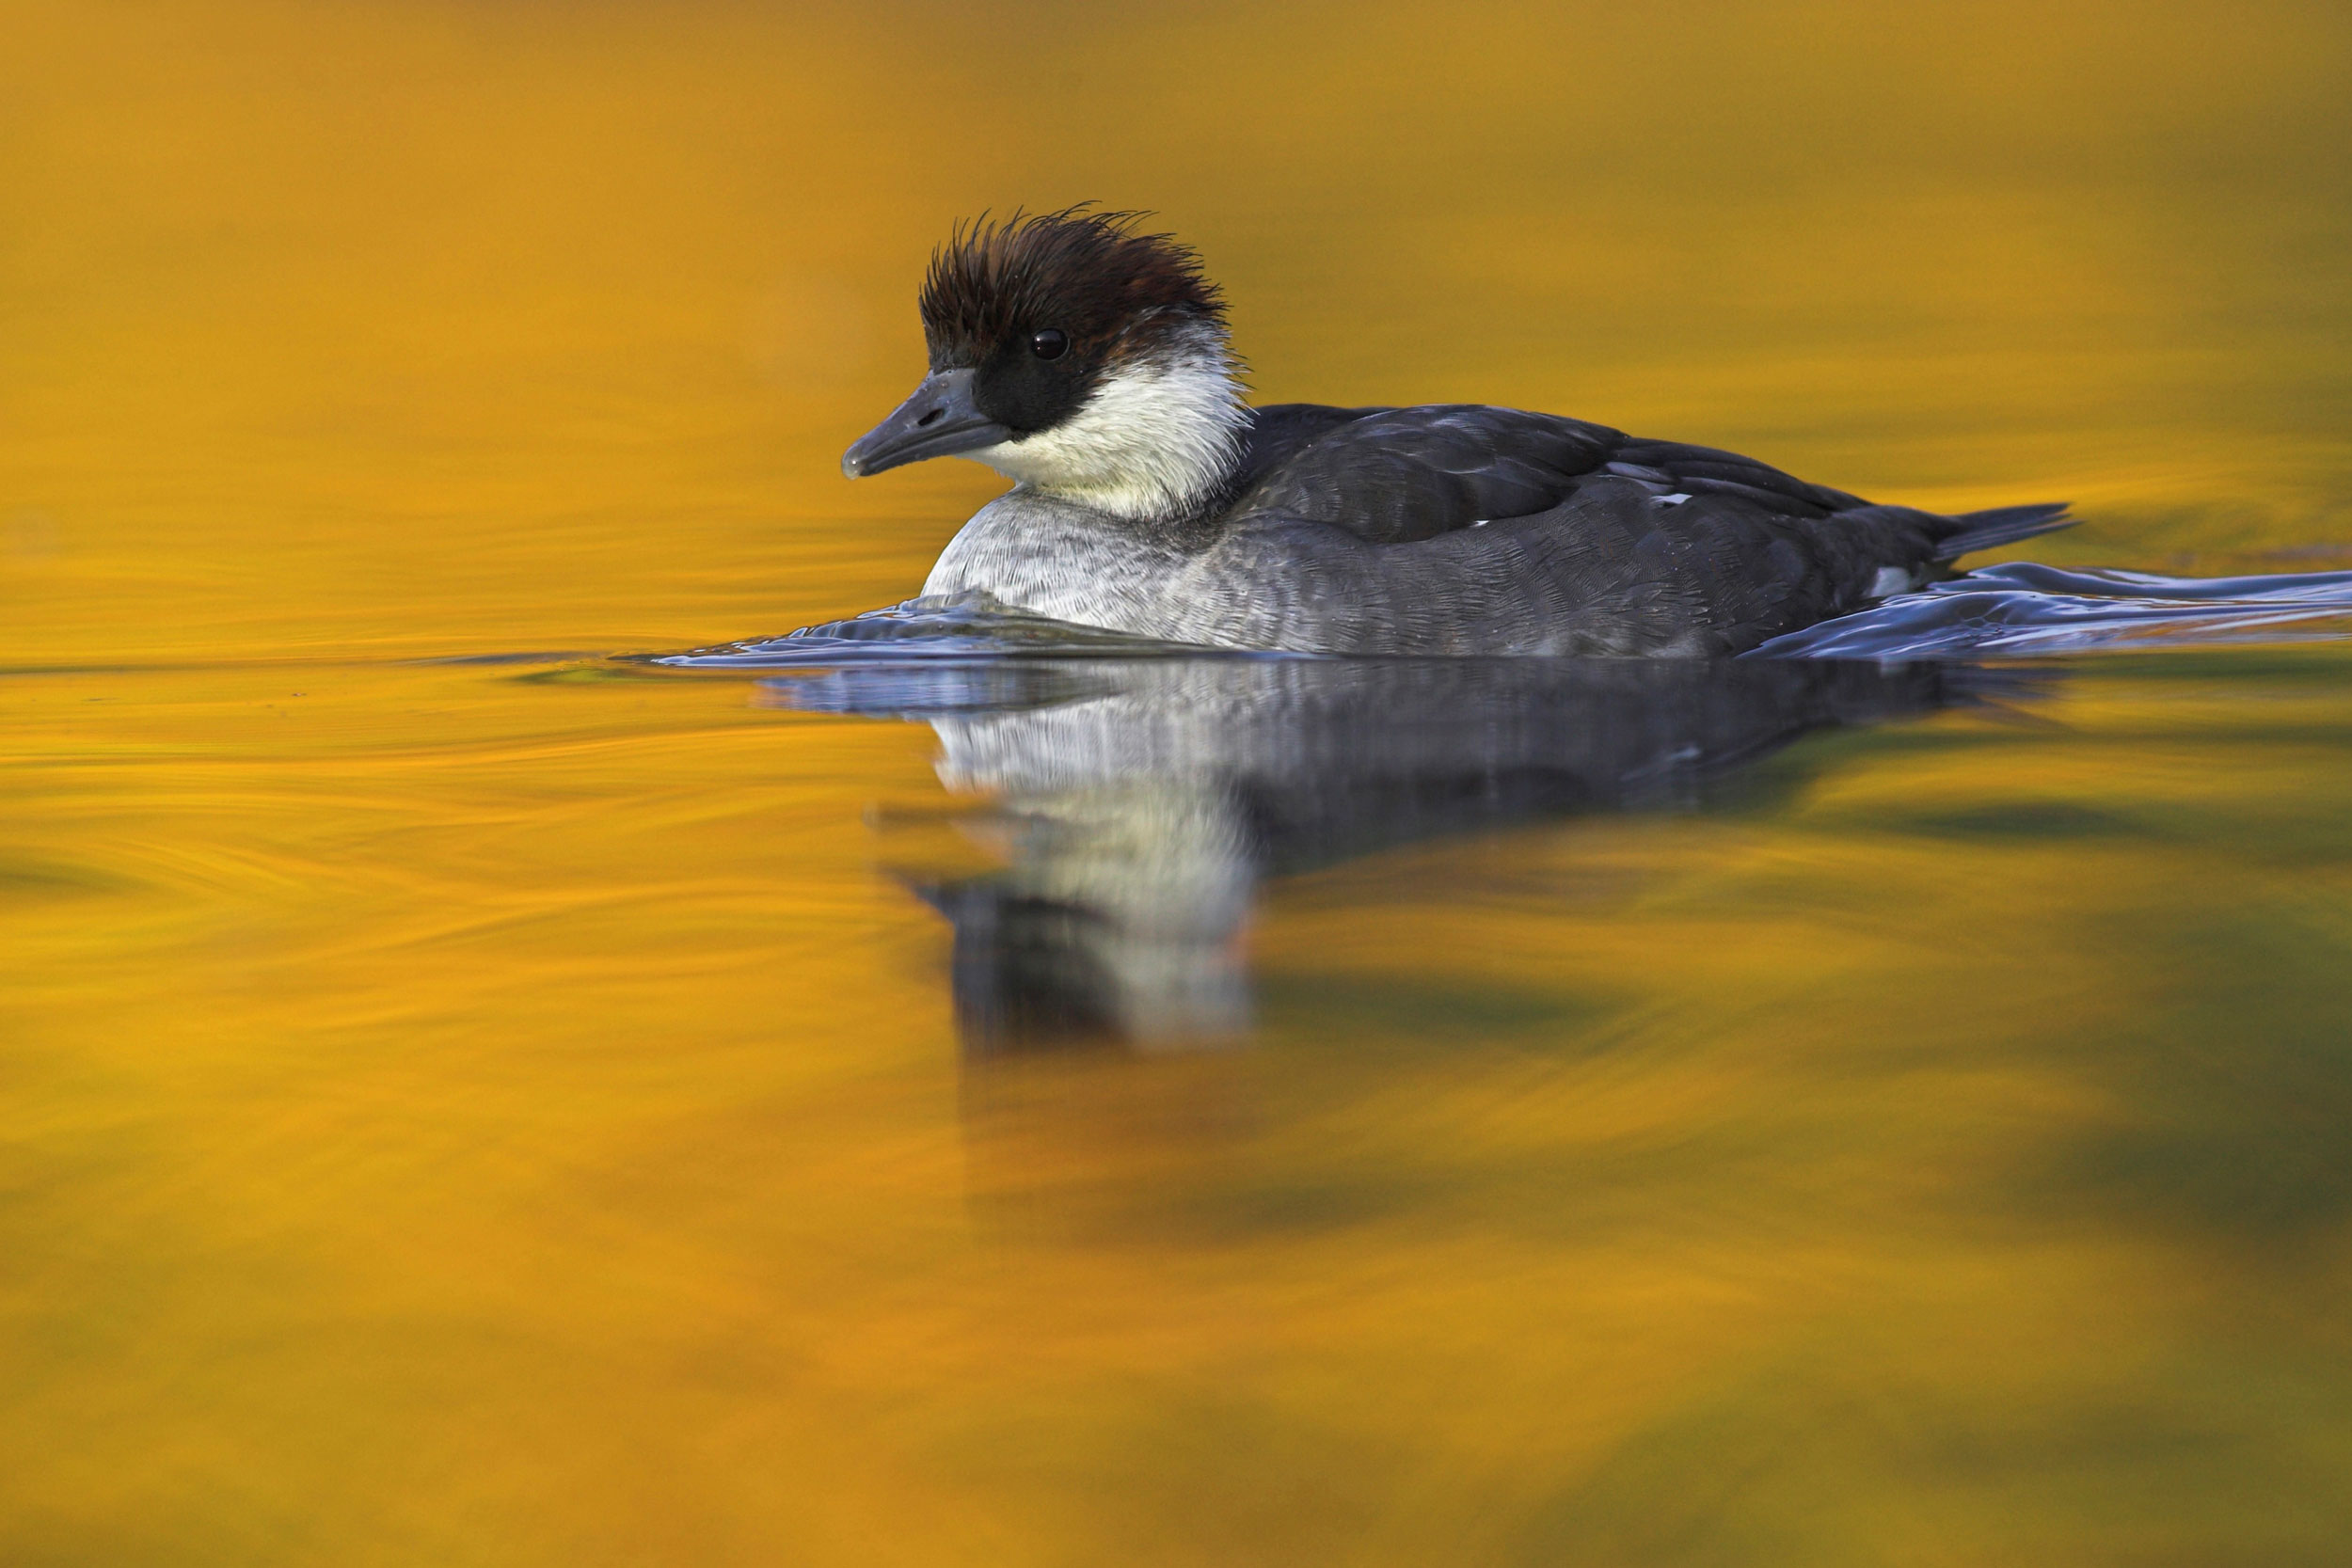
(495, 1112)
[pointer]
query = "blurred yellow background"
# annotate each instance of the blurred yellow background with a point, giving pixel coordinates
(492, 1113)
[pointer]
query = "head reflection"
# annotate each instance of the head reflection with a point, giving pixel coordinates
(1139, 803)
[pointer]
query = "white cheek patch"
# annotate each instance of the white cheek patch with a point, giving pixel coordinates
(1153, 438)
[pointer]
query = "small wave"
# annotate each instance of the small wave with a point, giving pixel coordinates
(2018, 609)
(966, 628)
(2023, 610)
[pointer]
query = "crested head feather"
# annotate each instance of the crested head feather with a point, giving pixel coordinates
(1090, 273)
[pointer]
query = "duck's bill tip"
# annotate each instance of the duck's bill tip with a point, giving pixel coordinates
(941, 419)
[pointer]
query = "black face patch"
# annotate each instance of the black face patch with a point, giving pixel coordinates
(1042, 307)
(1018, 390)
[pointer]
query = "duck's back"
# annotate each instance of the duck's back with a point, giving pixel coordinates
(1468, 529)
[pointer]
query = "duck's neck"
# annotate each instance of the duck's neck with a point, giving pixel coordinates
(1158, 438)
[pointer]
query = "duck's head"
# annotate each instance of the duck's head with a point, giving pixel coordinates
(1076, 355)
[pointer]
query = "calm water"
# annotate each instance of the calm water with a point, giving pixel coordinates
(932, 1093)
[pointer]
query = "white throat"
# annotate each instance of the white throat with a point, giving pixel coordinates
(1156, 437)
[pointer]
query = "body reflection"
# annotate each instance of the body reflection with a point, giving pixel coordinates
(1139, 802)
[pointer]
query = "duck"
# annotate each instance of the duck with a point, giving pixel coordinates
(1089, 360)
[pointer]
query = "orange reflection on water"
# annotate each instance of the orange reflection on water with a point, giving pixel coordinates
(496, 1113)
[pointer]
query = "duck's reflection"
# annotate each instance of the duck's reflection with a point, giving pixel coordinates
(1140, 803)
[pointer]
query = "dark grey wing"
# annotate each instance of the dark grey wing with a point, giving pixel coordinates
(1588, 540)
(1390, 476)
(1712, 564)
(1278, 432)
(1529, 532)
(1706, 471)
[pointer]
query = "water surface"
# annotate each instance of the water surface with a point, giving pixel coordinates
(474, 1095)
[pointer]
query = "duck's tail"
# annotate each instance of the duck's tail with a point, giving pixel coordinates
(2003, 524)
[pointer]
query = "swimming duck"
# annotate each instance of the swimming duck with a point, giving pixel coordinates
(1089, 362)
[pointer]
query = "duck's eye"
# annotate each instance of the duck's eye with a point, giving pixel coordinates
(1050, 343)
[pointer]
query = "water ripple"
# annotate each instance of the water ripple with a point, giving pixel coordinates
(2018, 609)
(961, 629)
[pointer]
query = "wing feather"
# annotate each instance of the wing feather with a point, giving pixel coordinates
(1610, 544)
